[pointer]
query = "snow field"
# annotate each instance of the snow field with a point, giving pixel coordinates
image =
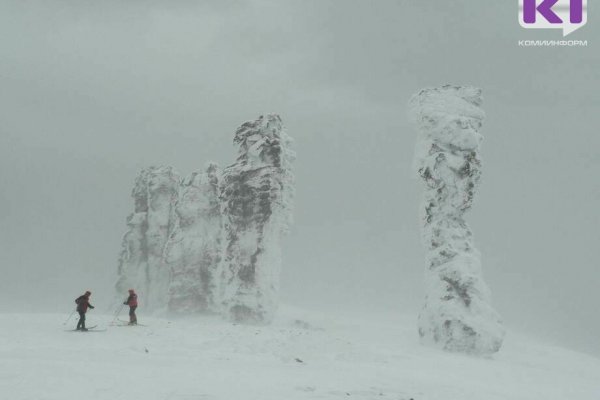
(302, 355)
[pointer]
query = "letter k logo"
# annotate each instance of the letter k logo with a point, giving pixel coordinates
(567, 15)
(530, 10)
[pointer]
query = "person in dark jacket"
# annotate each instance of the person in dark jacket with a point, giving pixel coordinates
(132, 303)
(83, 302)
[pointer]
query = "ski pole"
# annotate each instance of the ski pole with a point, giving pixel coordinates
(70, 315)
(117, 314)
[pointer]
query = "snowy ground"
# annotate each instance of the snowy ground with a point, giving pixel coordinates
(303, 355)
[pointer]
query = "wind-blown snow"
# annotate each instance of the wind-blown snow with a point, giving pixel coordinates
(457, 314)
(302, 355)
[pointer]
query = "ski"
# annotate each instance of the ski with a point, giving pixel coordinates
(125, 323)
(90, 329)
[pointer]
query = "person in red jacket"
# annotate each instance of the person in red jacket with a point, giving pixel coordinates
(83, 302)
(132, 303)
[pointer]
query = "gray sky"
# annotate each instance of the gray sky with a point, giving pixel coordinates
(91, 92)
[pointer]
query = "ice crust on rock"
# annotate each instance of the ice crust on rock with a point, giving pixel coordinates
(257, 193)
(457, 315)
(212, 242)
(193, 251)
(141, 263)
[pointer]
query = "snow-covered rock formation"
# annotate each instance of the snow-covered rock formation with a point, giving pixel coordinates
(141, 263)
(194, 249)
(211, 243)
(257, 192)
(457, 315)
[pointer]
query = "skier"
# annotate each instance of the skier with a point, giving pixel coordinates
(83, 302)
(132, 303)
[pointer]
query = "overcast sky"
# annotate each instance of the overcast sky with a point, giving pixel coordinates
(92, 91)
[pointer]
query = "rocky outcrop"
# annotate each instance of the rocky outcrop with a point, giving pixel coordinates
(141, 263)
(457, 315)
(257, 193)
(194, 249)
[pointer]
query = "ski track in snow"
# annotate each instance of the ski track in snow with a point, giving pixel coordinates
(302, 355)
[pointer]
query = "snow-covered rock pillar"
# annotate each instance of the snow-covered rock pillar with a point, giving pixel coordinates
(194, 249)
(257, 193)
(457, 315)
(141, 265)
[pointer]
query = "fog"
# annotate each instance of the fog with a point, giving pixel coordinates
(91, 92)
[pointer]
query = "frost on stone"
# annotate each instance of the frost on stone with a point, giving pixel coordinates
(141, 265)
(211, 243)
(257, 194)
(194, 249)
(457, 315)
